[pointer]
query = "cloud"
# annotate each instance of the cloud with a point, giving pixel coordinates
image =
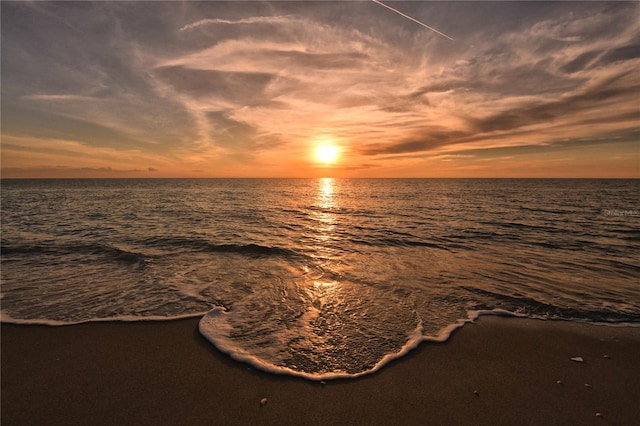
(232, 87)
(230, 133)
(594, 98)
(69, 172)
(623, 53)
(58, 97)
(583, 111)
(46, 124)
(251, 20)
(581, 62)
(427, 140)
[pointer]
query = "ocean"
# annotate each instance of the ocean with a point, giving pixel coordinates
(320, 278)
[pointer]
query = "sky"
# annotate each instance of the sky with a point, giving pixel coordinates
(252, 89)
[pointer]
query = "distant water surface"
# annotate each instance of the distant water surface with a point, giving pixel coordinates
(320, 277)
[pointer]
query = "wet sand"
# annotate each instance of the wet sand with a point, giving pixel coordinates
(498, 371)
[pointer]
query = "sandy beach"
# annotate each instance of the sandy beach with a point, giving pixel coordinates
(496, 371)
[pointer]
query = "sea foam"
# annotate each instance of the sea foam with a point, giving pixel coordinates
(217, 331)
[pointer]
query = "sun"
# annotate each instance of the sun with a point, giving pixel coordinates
(327, 154)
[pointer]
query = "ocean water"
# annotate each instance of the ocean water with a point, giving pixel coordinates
(320, 278)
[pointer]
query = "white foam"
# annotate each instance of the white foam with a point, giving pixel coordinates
(5, 318)
(444, 334)
(216, 332)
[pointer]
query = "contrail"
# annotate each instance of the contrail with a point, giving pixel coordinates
(414, 20)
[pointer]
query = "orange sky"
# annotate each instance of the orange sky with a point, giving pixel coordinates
(228, 89)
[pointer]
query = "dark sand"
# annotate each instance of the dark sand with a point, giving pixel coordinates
(166, 373)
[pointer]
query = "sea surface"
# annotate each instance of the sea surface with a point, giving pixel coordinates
(320, 278)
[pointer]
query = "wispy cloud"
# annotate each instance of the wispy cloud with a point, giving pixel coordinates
(59, 97)
(251, 20)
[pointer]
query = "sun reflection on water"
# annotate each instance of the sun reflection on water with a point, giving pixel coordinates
(325, 233)
(326, 196)
(325, 217)
(324, 285)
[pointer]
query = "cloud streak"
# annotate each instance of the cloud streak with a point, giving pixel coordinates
(251, 20)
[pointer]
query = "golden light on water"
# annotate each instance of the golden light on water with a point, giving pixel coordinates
(324, 284)
(326, 191)
(326, 219)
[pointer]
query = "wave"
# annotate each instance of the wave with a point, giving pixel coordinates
(211, 329)
(217, 332)
(252, 249)
(395, 242)
(207, 246)
(8, 319)
(532, 308)
(134, 257)
(337, 338)
(110, 252)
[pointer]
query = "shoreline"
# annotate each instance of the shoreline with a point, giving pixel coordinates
(498, 370)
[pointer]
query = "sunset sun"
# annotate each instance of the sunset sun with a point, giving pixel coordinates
(327, 154)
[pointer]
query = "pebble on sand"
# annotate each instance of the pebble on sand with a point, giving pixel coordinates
(263, 402)
(476, 393)
(577, 359)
